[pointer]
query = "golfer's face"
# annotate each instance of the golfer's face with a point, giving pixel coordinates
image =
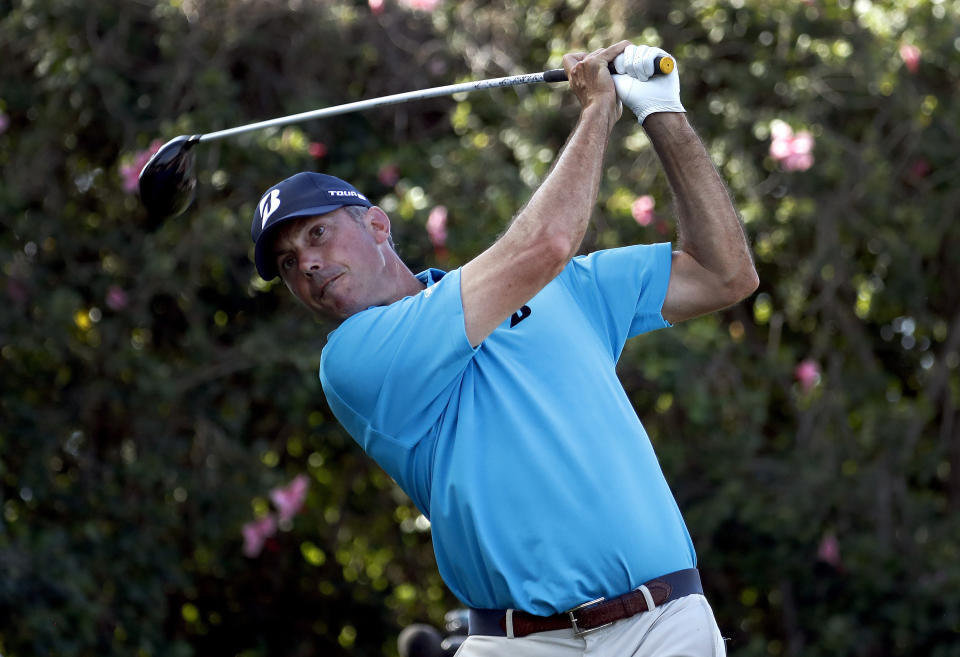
(331, 262)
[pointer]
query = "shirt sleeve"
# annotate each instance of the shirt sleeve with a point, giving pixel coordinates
(388, 371)
(623, 289)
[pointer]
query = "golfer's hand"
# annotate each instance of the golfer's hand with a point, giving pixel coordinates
(639, 89)
(590, 80)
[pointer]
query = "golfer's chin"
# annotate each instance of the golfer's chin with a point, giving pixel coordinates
(335, 308)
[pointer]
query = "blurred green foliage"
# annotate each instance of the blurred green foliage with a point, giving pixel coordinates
(154, 390)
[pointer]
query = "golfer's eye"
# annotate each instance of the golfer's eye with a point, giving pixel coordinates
(288, 263)
(316, 232)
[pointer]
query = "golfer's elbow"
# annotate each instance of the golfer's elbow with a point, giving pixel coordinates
(543, 248)
(556, 251)
(742, 284)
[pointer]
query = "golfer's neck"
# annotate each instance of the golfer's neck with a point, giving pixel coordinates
(398, 282)
(407, 284)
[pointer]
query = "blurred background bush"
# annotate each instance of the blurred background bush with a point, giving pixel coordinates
(172, 482)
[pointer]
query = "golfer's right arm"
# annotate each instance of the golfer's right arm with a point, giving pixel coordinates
(548, 231)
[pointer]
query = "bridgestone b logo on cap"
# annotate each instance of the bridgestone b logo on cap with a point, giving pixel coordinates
(268, 205)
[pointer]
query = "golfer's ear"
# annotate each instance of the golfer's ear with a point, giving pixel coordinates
(379, 223)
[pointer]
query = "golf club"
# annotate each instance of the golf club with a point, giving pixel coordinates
(168, 182)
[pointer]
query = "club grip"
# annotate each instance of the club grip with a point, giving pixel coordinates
(662, 65)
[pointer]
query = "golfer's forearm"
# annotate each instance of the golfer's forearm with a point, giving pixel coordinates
(708, 228)
(543, 236)
(561, 208)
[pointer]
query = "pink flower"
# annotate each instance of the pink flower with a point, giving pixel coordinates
(255, 533)
(4, 122)
(317, 149)
(422, 5)
(780, 130)
(437, 226)
(376, 6)
(116, 298)
(807, 373)
(829, 550)
(802, 143)
(388, 175)
(800, 162)
(794, 152)
(130, 172)
(801, 155)
(290, 498)
(910, 55)
(642, 210)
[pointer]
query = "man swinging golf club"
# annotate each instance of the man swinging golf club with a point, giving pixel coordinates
(489, 392)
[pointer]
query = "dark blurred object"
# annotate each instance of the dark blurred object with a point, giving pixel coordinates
(421, 640)
(457, 621)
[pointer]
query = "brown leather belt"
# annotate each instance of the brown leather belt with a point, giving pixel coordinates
(591, 615)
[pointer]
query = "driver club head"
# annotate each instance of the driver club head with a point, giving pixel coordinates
(167, 181)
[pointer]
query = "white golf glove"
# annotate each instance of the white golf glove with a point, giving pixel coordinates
(642, 91)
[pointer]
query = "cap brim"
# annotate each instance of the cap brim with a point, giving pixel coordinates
(263, 255)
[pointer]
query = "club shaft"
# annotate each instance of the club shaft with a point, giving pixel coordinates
(511, 81)
(553, 75)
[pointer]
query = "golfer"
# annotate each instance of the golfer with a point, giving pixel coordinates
(489, 392)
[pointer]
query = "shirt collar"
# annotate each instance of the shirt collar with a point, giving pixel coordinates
(430, 276)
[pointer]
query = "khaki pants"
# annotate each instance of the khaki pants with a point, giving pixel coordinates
(681, 628)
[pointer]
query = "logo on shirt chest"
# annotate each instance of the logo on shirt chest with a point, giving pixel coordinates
(520, 315)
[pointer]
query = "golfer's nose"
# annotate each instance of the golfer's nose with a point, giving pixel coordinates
(310, 264)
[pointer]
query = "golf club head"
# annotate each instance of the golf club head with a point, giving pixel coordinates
(167, 181)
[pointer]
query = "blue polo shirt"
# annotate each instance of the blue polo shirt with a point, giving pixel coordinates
(525, 453)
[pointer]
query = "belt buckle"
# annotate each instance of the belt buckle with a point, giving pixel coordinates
(577, 631)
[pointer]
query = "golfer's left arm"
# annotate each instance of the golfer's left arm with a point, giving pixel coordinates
(712, 266)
